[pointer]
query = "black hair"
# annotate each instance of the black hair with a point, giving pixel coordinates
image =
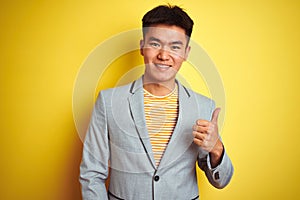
(169, 15)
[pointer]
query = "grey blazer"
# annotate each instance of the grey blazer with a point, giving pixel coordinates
(117, 146)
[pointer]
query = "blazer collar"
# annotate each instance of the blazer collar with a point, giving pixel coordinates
(136, 105)
(138, 85)
(182, 137)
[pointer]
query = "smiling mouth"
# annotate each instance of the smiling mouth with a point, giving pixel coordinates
(163, 67)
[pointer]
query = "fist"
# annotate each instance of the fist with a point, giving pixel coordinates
(206, 133)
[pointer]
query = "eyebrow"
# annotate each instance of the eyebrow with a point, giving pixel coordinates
(158, 40)
(177, 42)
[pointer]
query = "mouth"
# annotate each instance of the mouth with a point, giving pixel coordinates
(162, 66)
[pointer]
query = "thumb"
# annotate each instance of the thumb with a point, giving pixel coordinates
(215, 115)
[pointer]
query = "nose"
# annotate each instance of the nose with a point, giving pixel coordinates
(163, 54)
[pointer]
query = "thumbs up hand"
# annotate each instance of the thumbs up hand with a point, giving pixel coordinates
(206, 136)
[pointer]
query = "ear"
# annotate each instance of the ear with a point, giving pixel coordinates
(187, 51)
(142, 43)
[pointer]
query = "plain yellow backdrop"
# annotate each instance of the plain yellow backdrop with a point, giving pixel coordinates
(254, 44)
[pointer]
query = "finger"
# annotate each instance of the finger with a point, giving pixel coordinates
(198, 135)
(215, 115)
(200, 129)
(201, 143)
(201, 122)
(198, 142)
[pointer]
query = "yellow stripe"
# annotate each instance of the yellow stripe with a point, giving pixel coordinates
(161, 117)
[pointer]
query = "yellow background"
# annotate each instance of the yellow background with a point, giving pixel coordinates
(254, 44)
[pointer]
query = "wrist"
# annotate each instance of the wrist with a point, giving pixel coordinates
(217, 150)
(216, 154)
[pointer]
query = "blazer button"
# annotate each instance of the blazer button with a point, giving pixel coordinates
(217, 176)
(156, 178)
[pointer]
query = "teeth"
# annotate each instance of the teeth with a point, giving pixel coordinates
(162, 66)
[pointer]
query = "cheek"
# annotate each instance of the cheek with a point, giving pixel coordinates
(178, 56)
(178, 61)
(149, 54)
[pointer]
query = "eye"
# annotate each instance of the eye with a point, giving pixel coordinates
(175, 47)
(154, 44)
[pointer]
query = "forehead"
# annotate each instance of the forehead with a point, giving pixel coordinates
(166, 33)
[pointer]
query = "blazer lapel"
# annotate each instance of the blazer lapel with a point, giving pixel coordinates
(136, 105)
(182, 136)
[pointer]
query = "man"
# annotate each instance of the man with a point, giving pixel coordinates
(148, 135)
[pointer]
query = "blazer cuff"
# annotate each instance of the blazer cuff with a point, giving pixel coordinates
(222, 173)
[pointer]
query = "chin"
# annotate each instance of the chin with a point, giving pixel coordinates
(163, 80)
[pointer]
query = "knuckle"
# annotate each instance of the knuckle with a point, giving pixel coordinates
(195, 134)
(194, 128)
(196, 141)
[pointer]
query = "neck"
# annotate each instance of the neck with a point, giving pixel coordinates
(159, 89)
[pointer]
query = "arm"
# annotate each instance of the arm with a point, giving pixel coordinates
(216, 164)
(220, 175)
(94, 165)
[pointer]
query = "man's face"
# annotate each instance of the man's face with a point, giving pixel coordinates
(164, 48)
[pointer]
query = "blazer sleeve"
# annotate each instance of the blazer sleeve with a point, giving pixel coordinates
(94, 166)
(219, 176)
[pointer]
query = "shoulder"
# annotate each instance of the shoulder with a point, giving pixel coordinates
(113, 96)
(119, 91)
(199, 97)
(202, 105)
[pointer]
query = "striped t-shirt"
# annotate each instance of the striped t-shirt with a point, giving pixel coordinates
(161, 116)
